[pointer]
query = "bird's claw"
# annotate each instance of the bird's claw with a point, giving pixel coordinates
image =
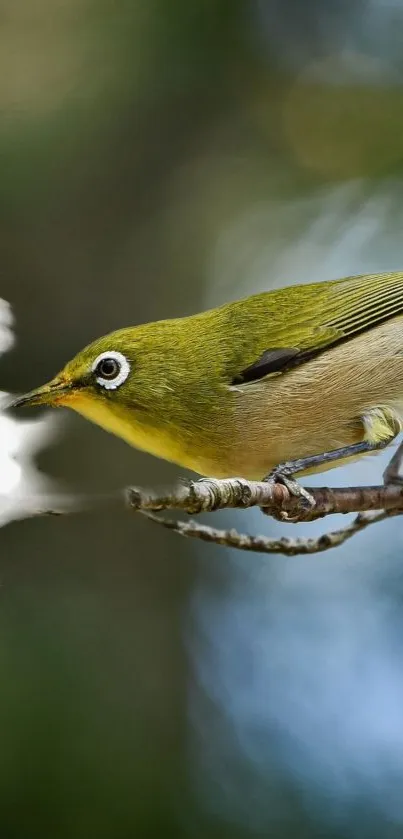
(283, 476)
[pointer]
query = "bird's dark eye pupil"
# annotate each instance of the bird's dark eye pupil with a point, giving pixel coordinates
(108, 368)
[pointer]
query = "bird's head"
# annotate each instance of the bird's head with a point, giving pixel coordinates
(106, 382)
(131, 383)
(99, 373)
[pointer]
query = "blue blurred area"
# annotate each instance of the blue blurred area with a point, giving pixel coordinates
(157, 159)
(300, 658)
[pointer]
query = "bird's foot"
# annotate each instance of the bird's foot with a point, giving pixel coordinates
(283, 474)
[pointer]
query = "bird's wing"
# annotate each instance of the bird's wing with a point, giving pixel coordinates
(305, 320)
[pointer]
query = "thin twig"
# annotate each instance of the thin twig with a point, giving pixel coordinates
(265, 544)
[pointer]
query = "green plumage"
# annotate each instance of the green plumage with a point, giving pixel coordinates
(186, 399)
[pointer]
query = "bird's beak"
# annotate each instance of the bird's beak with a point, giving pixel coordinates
(56, 392)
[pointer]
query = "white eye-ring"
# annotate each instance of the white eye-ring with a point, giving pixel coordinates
(111, 369)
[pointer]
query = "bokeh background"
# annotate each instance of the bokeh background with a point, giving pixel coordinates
(158, 158)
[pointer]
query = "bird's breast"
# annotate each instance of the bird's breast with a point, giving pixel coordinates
(162, 441)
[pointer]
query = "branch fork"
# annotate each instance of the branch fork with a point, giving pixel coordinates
(372, 503)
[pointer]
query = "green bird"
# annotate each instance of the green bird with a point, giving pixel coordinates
(308, 375)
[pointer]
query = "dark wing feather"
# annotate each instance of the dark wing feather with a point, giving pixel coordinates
(272, 361)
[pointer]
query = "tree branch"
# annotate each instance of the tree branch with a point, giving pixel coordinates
(372, 503)
(208, 495)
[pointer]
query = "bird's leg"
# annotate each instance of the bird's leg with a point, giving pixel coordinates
(284, 472)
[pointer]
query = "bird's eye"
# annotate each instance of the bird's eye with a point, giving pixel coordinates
(111, 369)
(108, 368)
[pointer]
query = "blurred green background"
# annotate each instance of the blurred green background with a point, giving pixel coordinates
(157, 158)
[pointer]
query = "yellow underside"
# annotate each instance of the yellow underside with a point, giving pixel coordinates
(147, 439)
(157, 443)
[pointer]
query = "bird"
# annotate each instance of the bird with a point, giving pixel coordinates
(298, 379)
